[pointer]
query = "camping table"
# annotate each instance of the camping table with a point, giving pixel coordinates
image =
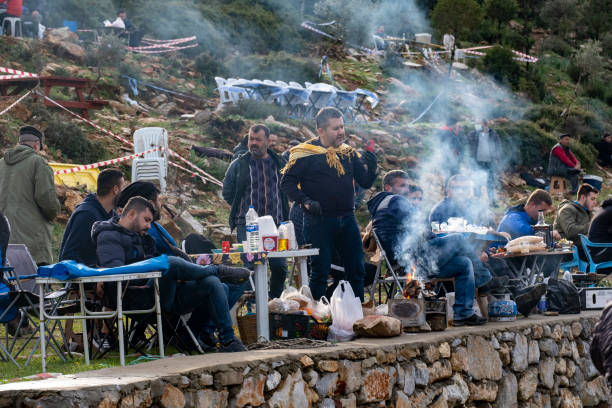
(91, 315)
(260, 260)
(535, 262)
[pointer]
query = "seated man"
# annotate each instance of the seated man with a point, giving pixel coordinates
(77, 244)
(184, 287)
(574, 217)
(563, 163)
(405, 239)
(519, 219)
(601, 231)
(458, 202)
(604, 149)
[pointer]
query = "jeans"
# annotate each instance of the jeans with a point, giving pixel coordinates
(278, 267)
(325, 233)
(201, 292)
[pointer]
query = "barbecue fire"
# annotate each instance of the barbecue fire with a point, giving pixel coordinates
(413, 286)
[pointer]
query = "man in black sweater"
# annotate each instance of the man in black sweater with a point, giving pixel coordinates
(320, 177)
(600, 231)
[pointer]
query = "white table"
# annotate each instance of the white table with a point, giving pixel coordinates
(261, 284)
(90, 315)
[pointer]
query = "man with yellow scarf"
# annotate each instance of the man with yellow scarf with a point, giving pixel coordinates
(320, 176)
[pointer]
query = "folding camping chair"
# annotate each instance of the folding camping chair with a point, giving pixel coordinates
(345, 102)
(321, 95)
(392, 284)
(362, 96)
(153, 165)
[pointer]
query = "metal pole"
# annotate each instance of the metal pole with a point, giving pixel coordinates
(83, 322)
(261, 300)
(160, 334)
(120, 324)
(41, 312)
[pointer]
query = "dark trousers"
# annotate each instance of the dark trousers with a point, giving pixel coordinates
(327, 233)
(278, 267)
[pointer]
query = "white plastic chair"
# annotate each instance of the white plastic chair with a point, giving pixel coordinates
(321, 95)
(224, 96)
(282, 83)
(154, 165)
(295, 85)
(236, 93)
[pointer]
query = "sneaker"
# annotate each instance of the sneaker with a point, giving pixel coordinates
(103, 345)
(234, 346)
(208, 342)
(14, 328)
(528, 300)
(231, 274)
(473, 320)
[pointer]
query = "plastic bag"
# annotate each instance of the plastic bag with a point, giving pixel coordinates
(292, 293)
(283, 306)
(562, 296)
(321, 310)
(345, 311)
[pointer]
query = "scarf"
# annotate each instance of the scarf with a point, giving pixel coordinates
(331, 153)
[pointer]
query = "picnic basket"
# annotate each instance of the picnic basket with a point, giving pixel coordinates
(247, 323)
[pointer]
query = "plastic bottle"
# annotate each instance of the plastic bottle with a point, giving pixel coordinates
(292, 240)
(567, 275)
(252, 230)
(542, 305)
(283, 237)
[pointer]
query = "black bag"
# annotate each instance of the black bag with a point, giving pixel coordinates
(562, 296)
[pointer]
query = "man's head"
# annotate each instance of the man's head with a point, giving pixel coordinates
(258, 141)
(607, 137)
(30, 136)
(110, 183)
(538, 201)
(453, 122)
(121, 14)
(587, 196)
(137, 215)
(564, 140)
(459, 187)
(330, 127)
(415, 193)
(396, 182)
(145, 189)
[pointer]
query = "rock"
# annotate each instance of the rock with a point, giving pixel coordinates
(484, 391)
(273, 380)
(563, 381)
(201, 212)
(567, 399)
(495, 343)
(431, 353)
(440, 370)
(456, 342)
(507, 393)
(409, 352)
(571, 369)
(293, 394)
(171, 227)
(377, 386)
(378, 326)
(188, 224)
(60, 39)
(349, 402)
(326, 385)
(547, 331)
(538, 332)
(172, 397)
(350, 374)
(206, 379)
(252, 392)
(541, 400)
(588, 368)
(561, 366)
(331, 366)
(201, 117)
(587, 329)
(483, 360)
(575, 353)
(519, 353)
(167, 108)
(109, 401)
(311, 377)
(421, 373)
(211, 399)
(119, 107)
(557, 333)
(504, 354)
(409, 380)
(533, 355)
(566, 348)
(457, 392)
(508, 336)
(594, 392)
(528, 384)
(402, 401)
(459, 359)
(369, 362)
(306, 361)
(231, 377)
(583, 348)
(139, 398)
(445, 350)
(548, 346)
(567, 332)
(72, 200)
(547, 372)
(158, 100)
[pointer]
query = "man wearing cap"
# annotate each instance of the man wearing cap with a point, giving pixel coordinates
(563, 163)
(28, 198)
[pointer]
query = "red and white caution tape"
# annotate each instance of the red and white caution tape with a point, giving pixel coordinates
(12, 105)
(106, 162)
(204, 179)
(153, 40)
(193, 166)
(474, 52)
(164, 44)
(525, 56)
(17, 72)
(316, 30)
(170, 49)
(5, 77)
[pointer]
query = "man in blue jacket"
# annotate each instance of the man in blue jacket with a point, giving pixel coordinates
(77, 244)
(520, 219)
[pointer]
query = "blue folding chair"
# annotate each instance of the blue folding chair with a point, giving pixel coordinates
(575, 262)
(586, 244)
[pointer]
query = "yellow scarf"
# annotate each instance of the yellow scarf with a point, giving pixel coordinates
(307, 149)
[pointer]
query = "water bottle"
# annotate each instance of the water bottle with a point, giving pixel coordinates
(567, 275)
(252, 230)
(283, 237)
(542, 305)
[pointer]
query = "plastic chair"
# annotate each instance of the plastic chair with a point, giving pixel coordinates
(345, 102)
(586, 244)
(72, 25)
(236, 93)
(575, 262)
(14, 23)
(321, 95)
(296, 85)
(153, 165)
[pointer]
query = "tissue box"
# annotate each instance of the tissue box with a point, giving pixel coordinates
(270, 243)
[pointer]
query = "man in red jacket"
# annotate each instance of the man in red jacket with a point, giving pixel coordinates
(563, 163)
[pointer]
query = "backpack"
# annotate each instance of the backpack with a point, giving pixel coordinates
(562, 296)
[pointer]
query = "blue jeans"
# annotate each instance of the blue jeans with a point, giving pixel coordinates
(278, 267)
(455, 258)
(200, 292)
(327, 233)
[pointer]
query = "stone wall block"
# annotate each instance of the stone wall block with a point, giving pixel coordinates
(459, 359)
(557, 333)
(547, 330)
(571, 369)
(520, 353)
(409, 352)
(431, 353)
(331, 366)
(230, 377)
(583, 347)
(138, 399)
(172, 397)
(594, 392)
(565, 350)
(458, 391)
(528, 384)
(567, 399)
(533, 356)
(273, 380)
(561, 366)
(252, 392)
(507, 393)
(576, 329)
(402, 400)
(440, 370)
(504, 354)
(445, 350)
(547, 372)
(588, 368)
(311, 377)
(538, 332)
(508, 336)
(409, 380)
(211, 399)
(306, 361)
(483, 360)
(549, 347)
(350, 373)
(541, 400)
(421, 373)
(206, 379)
(327, 384)
(377, 386)
(484, 391)
(587, 329)
(293, 393)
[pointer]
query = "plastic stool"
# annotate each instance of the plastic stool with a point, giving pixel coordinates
(559, 185)
(13, 22)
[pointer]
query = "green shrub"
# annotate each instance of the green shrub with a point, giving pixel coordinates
(557, 45)
(70, 139)
(274, 66)
(209, 67)
(109, 51)
(223, 128)
(499, 62)
(252, 109)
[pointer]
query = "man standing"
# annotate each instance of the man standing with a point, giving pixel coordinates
(452, 137)
(319, 177)
(574, 217)
(77, 244)
(604, 149)
(28, 198)
(253, 179)
(601, 231)
(487, 153)
(563, 163)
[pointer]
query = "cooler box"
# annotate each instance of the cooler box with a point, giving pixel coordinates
(595, 298)
(595, 181)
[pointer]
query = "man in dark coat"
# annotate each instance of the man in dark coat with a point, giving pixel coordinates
(451, 137)
(601, 231)
(76, 242)
(488, 153)
(604, 149)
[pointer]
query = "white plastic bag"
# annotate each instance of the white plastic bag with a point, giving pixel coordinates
(321, 310)
(345, 310)
(292, 293)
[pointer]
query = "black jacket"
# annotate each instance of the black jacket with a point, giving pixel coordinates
(604, 150)
(77, 244)
(319, 182)
(237, 178)
(116, 246)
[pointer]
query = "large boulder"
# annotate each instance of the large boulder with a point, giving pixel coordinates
(62, 41)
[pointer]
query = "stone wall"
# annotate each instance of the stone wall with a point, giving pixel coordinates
(543, 363)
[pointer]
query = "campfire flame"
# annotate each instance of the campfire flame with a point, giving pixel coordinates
(413, 286)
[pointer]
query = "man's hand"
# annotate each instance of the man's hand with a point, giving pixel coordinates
(556, 235)
(312, 207)
(484, 257)
(577, 166)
